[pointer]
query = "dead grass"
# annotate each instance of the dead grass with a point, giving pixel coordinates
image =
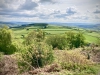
(8, 64)
(72, 56)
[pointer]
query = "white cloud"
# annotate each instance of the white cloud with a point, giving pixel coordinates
(50, 10)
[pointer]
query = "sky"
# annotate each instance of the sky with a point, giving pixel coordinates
(78, 11)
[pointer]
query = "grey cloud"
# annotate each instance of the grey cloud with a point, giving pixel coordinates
(6, 7)
(97, 17)
(47, 1)
(18, 14)
(55, 12)
(28, 5)
(81, 17)
(3, 4)
(60, 16)
(43, 16)
(97, 5)
(97, 11)
(71, 11)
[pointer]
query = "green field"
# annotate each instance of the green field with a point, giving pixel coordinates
(51, 30)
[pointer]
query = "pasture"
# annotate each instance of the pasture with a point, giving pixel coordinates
(90, 37)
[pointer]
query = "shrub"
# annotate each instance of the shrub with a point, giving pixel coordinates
(34, 36)
(69, 40)
(6, 45)
(75, 39)
(98, 41)
(1, 54)
(72, 60)
(79, 40)
(57, 41)
(36, 55)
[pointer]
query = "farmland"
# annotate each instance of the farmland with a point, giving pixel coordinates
(90, 37)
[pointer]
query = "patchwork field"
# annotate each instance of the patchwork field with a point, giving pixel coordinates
(90, 37)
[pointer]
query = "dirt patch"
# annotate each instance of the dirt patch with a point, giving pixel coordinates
(93, 55)
(8, 65)
(46, 69)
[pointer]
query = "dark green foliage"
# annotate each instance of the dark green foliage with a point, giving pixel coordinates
(39, 25)
(79, 40)
(57, 41)
(98, 41)
(69, 40)
(75, 39)
(6, 45)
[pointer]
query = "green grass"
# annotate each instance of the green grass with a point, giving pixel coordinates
(90, 37)
(95, 34)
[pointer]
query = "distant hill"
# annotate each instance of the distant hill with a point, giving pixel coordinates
(80, 25)
(13, 24)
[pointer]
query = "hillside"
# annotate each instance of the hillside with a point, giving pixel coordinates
(46, 49)
(80, 25)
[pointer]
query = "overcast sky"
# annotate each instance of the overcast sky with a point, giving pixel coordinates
(87, 11)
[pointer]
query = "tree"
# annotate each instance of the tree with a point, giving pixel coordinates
(70, 39)
(35, 56)
(79, 40)
(35, 36)
(75, 39)
(57, 41)
(6, 45)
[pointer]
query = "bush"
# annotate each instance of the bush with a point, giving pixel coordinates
(36, 55)
(57, 41)
(34, 36)
(72, 60)
(69, 40)
(6, 45)
(75, 39)
(1, 55)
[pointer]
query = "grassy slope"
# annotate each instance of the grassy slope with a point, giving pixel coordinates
(90, 37)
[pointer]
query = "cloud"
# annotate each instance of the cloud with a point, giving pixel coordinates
(2, 4)
(28, 5)
(60, 15)
(55, 12)
(97, 11)
(42, 16)
(22, 15)
(47, 1)
(81, 17)
(8, 6)
(71, 11)
(97, 16)
(45, 10)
